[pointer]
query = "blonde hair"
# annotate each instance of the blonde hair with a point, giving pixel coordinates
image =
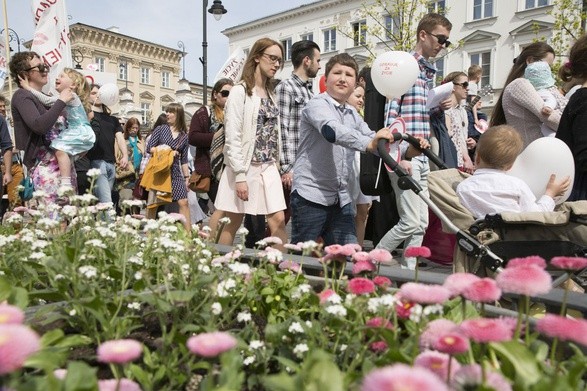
(81, 87)
(499, 147)
(474, 71)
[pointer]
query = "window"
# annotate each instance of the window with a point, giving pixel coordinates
(165, 79)
(329, 40)
(123, 71)
(536, 3)
(484, 60)
(100, 63)
(360, 33)
(392, 26)
(307, 37)
(286, 43)
(482, 9)
(438, 6)
(439, 70)
(145, 75)
(145, 113)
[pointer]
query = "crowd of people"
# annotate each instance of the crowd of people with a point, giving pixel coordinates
(288, 153)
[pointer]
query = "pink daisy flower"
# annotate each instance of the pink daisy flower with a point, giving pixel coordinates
(451, 343)
(119, 351)
(60, 373)
(10, 314)
(569, 263)
(484, 290)
(293, 247)
(565, 329)
(334, 249)
(528, 280)
(434, 330)
(361, 286)
(211, 344)
(457, 282)
(115, 385)
(402, 377)
(328, 258)
(531, 260)
(380, 255)
(379, 346)
(325, 294)
(269, 240)
(290, 265)
(404, 309)
(437, 363)
(379, 322)
(382, 282)
(363, 267)
(469, 377)
(421, 251)
(424, 294)
(17, 343)
(487, 330)
(361, 256)
(349, 249)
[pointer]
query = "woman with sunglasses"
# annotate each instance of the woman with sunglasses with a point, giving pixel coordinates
(250, 182)
(520, 105)
(35, 125)
(205, 122)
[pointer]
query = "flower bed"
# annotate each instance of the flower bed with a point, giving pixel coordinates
(136, 304)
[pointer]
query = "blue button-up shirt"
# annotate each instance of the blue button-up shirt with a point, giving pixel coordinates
(330, 133)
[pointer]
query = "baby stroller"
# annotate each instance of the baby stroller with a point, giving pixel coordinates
(483, 247)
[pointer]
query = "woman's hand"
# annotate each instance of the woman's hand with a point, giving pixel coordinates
(242, 191)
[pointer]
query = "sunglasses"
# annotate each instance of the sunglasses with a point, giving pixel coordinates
(224, 93)
(442, 40)
(464, 84)
(42, 68)
(274, 59)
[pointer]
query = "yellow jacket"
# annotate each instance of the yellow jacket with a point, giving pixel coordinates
(157, 177)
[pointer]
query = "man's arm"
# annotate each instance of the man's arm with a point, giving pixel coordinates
(121, 142)
(285, 102)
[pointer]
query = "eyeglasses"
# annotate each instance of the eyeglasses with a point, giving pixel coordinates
(274, 59)
(224, 93)
(42, 68)
(464, 84)
(442, 40)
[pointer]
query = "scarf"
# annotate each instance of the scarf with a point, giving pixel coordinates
(136, 153)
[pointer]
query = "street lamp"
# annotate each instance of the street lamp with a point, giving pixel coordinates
(13, 36)
(181, 45)
(78, 57)
(217, 9)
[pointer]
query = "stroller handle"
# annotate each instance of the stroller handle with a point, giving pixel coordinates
(465, 241)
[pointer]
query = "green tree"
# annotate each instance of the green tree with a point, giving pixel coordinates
(569, 24)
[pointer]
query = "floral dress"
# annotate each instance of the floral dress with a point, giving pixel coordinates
(458, 131)
(266, 143)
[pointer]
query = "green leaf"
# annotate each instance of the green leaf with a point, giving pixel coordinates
(80, 377)
(522, 360)
(280, 382)
(181, 296)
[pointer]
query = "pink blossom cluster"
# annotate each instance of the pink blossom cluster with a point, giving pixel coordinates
(119, 351)
(402, 377)
(17, 343)
(211, 344)
(424, 294)
(525, 276)
(565, 329)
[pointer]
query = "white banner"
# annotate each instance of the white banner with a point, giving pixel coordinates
(3, 66)
(51, 39)
(233, 67)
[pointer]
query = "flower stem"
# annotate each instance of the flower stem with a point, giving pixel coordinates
(416, 269)
(519, 322)
(448, 370)
(563, 312)
(527, 327)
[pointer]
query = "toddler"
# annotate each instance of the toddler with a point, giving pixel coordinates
(491, 190)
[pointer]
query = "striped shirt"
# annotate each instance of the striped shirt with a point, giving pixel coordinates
(413, 107)
(292, 96)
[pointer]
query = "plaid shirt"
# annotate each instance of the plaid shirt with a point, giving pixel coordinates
(292, 96)
(413, 109)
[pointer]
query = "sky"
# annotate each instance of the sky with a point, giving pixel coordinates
(164, 22)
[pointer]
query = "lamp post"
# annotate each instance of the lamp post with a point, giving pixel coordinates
(13, 36)
(217, 9)
(78, 57)
(181, 45)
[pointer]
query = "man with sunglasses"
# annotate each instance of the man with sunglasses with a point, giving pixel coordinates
(432, 36)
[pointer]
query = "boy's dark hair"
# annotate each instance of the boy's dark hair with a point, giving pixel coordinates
(474, 71)
(576, 67)
(499, 147)
(342, 59)
(430, 21)
(301, 50)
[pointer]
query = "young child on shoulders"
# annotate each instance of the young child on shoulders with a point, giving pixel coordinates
(77, 137)
(491, 190)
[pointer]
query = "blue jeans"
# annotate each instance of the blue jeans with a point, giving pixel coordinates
(413, 214)
(309, 221)
(105, 181)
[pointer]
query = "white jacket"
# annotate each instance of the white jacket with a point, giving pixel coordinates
(240, 129)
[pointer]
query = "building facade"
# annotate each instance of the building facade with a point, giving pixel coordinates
(484, 38)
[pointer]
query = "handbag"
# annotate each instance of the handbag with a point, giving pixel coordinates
(123, 173)
(27, 188)
(139, 192)
(199, 183)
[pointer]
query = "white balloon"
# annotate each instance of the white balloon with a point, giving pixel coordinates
(108, 94)
(394, 73)
(540, 159)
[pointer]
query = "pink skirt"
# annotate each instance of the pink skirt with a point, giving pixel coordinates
(265, 191)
